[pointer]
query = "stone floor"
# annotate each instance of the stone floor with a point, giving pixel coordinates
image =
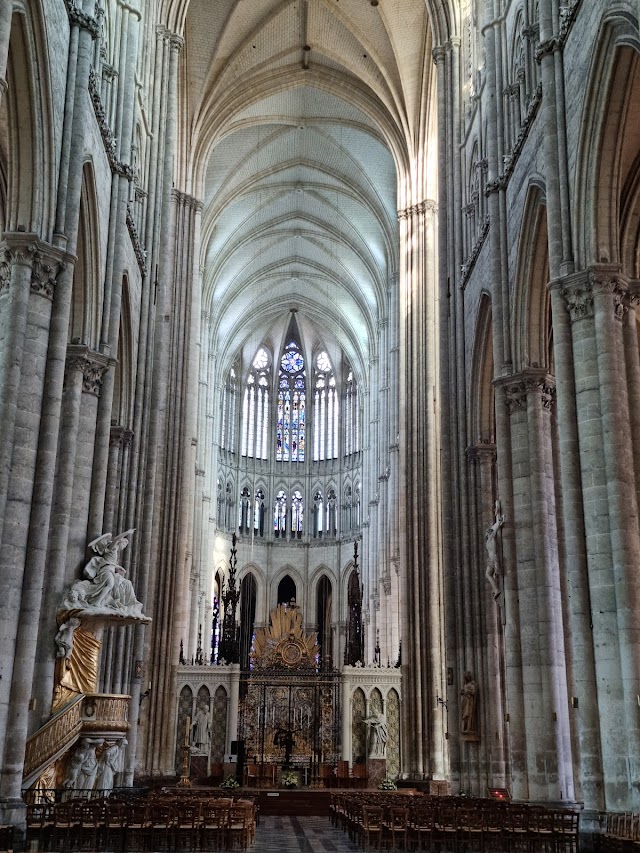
(300, 835)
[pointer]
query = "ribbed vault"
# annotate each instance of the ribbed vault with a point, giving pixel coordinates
(307, 125)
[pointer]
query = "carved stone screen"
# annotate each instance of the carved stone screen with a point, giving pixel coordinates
(185, 705)
(219, 725)
(393, 726)
(358, 727)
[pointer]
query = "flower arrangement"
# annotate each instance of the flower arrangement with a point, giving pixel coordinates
(289, 780)
(229, 783)
(387, 785)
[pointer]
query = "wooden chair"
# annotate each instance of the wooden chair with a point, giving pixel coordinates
(239, 828)
(396, 828)
(421, 827)
(213, 825)
(372, 827)
(159, 829)
(186, 827)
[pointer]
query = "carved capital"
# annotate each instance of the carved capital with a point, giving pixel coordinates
(515, 396)
(609, 282)
(544, 384)
(93, 366)
(27, 250)
(579, 301)
(120, 437)
(78, 18)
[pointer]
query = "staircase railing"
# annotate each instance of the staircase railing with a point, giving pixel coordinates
(91, 713)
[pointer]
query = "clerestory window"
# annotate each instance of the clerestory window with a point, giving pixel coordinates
(325, 414)
(291, 420)
(255, 408)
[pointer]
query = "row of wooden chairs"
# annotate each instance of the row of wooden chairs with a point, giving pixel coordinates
(176, 824)
(451, 827)
(620, 832)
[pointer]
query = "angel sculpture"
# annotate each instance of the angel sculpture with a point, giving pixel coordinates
(106, 589)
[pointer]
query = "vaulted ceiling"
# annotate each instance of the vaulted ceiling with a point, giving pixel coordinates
(304, 126)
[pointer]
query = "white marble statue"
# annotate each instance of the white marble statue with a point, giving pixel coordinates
(201, 730)
(110, 764)
(64, 638)
(86, 778)
(83, 766)
(378, 734)
(105, 591)
(71, 779)
(492, 572)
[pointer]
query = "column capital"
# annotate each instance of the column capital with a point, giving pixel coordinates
(518, 386)
(579, 290)
(93, 366)
(482, 452)
(80, 19)
(28, 250)
(120, 436)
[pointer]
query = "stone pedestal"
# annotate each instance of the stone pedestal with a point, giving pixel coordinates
(376, 771)
(199, 768)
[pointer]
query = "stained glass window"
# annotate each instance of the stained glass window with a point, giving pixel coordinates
(291, 420)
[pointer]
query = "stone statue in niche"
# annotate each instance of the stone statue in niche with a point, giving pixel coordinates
(469, 698)
(378, 734)
(492, 572)
(201, 730)
(105, 591)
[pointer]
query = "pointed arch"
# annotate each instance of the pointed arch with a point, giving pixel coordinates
(324, 618)
(482, 395)
(87, 290)
(532, 309)
(607, 157)
(31, 162)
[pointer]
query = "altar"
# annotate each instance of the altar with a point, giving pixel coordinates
(289, 709)
(286, 714)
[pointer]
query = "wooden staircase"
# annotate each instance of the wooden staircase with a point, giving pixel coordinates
(92, 714)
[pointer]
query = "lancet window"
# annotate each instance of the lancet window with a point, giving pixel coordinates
(280, 514)
(255, 408)
(228, 419)
(325, 415)
(351, 415)
(297, 513)
(318, 514)
(258, 513)
(244, 510)
(291, 421)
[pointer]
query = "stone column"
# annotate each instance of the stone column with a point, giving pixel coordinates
(594, 361)
(21, 591)
(16, 269)
(168, 47)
